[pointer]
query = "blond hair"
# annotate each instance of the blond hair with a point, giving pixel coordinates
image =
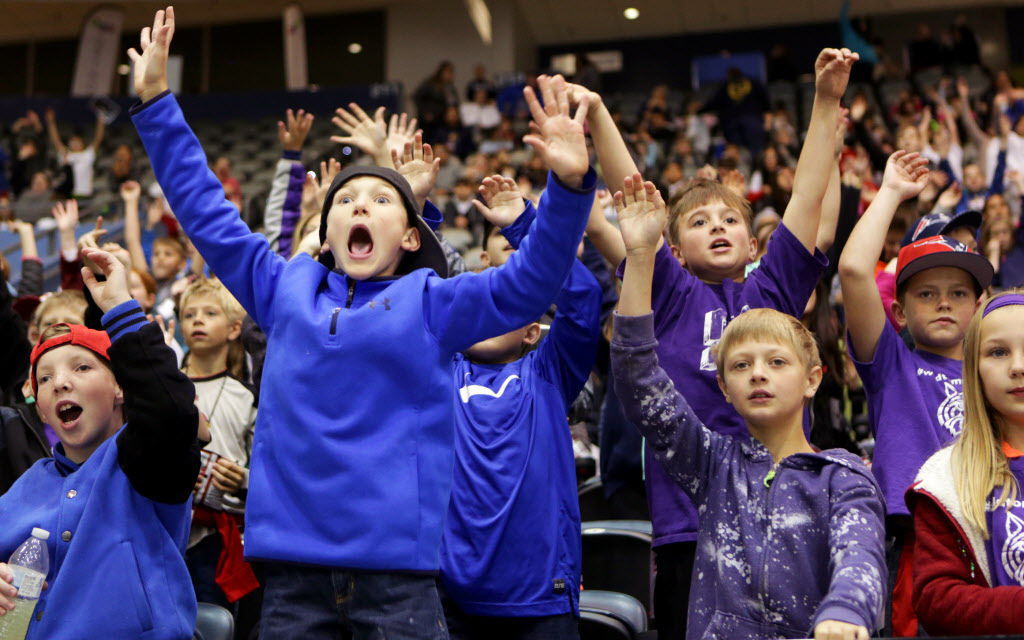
(70, 299)
(767, 325)
(979, 464)
(699, 192)
(232, 309)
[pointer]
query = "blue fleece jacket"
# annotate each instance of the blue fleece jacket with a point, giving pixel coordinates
(776, 553)
(116, 564)
(352, 456)
(511, 544)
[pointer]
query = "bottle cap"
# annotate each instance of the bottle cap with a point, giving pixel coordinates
(42, 534)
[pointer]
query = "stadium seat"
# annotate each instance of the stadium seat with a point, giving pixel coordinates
(617, 557)
(213, 623)
(606, 614)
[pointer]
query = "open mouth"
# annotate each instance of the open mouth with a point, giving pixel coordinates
(360, 242)
(721, 244)
(68, 412)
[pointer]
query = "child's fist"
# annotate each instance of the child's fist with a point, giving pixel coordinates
(906, 174)
(642, 215)
(832, 72)
(835, 630)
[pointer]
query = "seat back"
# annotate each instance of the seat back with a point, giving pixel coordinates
(617, 557)
(214, 623)
(624, 608)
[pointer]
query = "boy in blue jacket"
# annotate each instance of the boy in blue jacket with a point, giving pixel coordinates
(115, 495)
(510, 553)
(352, 458)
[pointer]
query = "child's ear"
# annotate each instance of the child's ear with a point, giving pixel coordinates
(236, 330)
(725, 390)
(813, 381)
(898, 314)
(752, 253)
(678, 255)
(533, 332)
(411, 239)
(118, 395)
(485, 259)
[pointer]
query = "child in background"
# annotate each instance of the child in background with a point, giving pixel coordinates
(115, 494)
(169, 262)
(967, 505)
(710, 231)
(791, 540)
(211, 323)
(914, 397)
(80, 156)
(66, 307)
(347, 500)
(510, 553)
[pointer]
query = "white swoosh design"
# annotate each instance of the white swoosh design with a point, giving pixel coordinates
(470, 390)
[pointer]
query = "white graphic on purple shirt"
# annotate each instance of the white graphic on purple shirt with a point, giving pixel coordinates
(951, 411)
(1013, 548)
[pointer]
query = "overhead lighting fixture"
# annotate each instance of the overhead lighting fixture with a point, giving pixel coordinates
(480, 16)
(355, 48)
(631, 13)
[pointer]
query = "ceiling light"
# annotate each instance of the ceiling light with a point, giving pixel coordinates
(632, 13)
(355, 47)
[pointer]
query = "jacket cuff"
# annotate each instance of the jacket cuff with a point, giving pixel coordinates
(516, 231)
(33, 259)
(634, 331)
(292, 155)
(588, 186)
(842, 614)
(139, 106)
(123, 319)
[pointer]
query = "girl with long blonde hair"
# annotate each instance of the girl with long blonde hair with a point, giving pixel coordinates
(968, 515)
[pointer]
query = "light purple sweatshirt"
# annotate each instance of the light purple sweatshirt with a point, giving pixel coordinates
(774, 558)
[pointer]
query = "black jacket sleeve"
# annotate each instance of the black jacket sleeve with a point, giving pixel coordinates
(14, 345)
(156, 449)
(31, 283)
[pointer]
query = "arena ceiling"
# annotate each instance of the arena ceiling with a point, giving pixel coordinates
(548, 21)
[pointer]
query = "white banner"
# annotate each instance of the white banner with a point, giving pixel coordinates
(98, 50)
(296, 76)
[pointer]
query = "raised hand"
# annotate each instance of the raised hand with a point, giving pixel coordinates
(151, 64)
(906, 174)
(578, 91)
(66, 215)
(560, 143)
(419, 167)
(367, 134)
(504, 202)
(835, 630)
(130, 191)
(858, 108)
(401, 131)
(114, 290)
(328, 170)
(950, 197)
(642, 215)
(166, 328)
(294, 129)
(832, 72)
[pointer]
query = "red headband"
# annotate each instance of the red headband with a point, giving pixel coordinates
(96, 341)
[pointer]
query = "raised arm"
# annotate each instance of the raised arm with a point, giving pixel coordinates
(613, 155)
(603, 234)
(130, 193)
(284, 202)
(905, 176)
(814, 169)
(54, 132)
(155, 450)
(240, 258)
(97, 136)
(468, 308)
(833, 194)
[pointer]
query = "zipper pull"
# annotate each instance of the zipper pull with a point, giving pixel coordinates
(768, 478)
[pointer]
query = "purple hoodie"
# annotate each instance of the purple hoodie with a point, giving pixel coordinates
(774, 558)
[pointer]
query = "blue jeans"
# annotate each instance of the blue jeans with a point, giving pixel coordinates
(312, 603)
(463, 626)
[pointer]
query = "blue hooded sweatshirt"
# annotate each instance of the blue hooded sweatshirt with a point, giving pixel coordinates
(511, 544)
(776, 553)
(352, 456)
(118, 521)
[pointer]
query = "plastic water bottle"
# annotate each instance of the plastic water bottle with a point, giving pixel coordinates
(29, 563)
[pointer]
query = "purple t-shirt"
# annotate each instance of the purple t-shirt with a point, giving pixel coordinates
(689, 318)
(916, 405)
(1005, 546)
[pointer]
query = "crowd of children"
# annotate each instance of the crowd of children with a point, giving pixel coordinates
(355, 421)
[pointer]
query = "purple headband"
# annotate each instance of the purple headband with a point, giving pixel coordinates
(1003, 301)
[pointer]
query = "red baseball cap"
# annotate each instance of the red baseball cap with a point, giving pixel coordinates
(96, 341)
(942, 251)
